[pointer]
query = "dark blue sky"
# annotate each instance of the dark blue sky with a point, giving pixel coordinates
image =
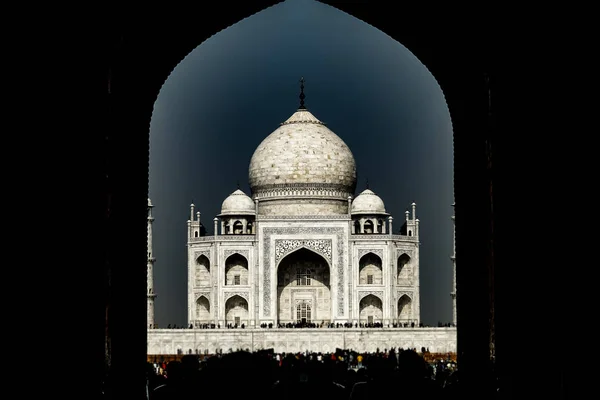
(236, 88)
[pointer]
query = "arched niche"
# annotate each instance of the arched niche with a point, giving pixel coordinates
(370, 270)
(236, 270)
(404, 269)
(238, 228)
(202, 271)
(371, 309)
(303, 277)
(236, 310)
(404, 308)
(203, 309)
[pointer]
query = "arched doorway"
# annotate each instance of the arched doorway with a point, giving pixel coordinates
(370, 271)
(404, 270)
(404, 309)
(371, 310)
(203, 310)
(236, 311)
(202, 272)
(236, 270)
(303, 288)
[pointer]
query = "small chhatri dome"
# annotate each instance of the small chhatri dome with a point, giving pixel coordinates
(368, 203)
(237, 203)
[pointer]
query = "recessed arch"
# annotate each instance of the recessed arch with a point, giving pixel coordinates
(404, 269)
(202, 271)
(243, 295)
(404, 309)
(203, 296)
(236, 311)
(303, 248)
(303, 279)
(370, 309)
(370, 270)
(236, 270)
(204, 261)
(238, 227)
(203, 309)
(236, 257)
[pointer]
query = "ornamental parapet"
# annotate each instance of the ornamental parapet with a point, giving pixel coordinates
(290, 191)
(336, 217)
(222, 238)
(383, 236)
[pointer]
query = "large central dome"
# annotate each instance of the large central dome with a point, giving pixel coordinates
(303, 160)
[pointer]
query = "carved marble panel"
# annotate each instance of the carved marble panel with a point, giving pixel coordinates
(229, 252)
(364, 293)
(202, 293)
(285, 246)
(243, 295)
(297, 217)
(401, 293)
(307, 301)
(199, 253)
(362, 252)
(409, 252)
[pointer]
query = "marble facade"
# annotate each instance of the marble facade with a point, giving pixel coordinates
(301, 248)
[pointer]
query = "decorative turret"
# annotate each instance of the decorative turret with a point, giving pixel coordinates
(195, 227)
(411, 223)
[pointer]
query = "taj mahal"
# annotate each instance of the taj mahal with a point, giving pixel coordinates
(301, 262)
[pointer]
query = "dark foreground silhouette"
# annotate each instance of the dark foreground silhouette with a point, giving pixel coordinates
(308, 376)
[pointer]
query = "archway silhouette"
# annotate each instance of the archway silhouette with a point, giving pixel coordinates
(457, 65)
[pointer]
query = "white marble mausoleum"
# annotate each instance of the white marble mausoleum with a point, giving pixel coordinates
(302, 248)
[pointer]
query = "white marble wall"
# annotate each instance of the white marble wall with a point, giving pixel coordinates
(277, 238)
(167, 341)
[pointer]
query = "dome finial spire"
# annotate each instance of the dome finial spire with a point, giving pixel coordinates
(302, 94)
(238, 184)
(367, 183)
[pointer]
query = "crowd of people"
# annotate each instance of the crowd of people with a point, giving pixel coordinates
(343, 374)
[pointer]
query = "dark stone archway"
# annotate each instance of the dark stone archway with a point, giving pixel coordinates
(140, 57)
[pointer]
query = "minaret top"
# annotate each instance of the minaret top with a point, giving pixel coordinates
(302, 96)
(150, 203)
